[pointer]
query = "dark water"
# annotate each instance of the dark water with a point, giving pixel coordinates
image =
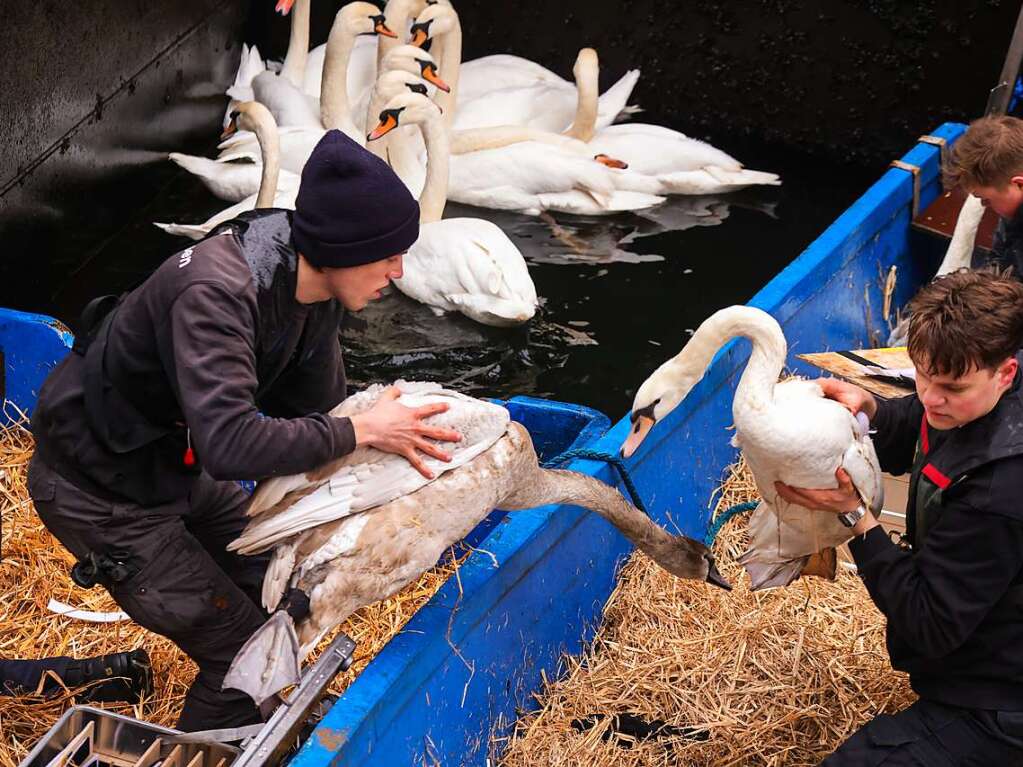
(619, 294)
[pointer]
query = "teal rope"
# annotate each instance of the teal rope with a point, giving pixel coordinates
(614, 460)
(726, 515)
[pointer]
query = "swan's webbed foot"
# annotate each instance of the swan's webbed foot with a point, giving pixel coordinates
(769, 575)
(268, 662)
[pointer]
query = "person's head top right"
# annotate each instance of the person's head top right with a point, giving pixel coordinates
(987, 161)
(965, 329)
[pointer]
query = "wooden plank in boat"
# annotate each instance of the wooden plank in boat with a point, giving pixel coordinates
(939, 218)
(843, 367)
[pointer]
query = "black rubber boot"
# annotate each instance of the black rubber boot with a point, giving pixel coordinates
(122, 676)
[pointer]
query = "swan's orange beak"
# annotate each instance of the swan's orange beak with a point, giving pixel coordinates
(386, 125)
(231, 128)
(610, 162)
(431, 76)
(284, 7)
(640, 428)
(382, 29)
(419, 37)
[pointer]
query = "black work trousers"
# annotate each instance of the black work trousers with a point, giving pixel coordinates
(181, 582)
(930, 734)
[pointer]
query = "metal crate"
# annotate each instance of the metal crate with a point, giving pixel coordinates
(106, 739)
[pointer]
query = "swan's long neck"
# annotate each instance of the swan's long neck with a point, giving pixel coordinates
(960, 249)
(755, 392)
(449, 61)
(587, 84)
(265, 128)
(298, 44)
(397, 14)
(476, 139)
(395, 148)
(556, 486)
(334, 89)
(435, 191)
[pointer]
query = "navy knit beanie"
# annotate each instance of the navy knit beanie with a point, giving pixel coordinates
(351, 208)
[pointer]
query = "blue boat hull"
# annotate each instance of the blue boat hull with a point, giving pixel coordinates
(474, 655)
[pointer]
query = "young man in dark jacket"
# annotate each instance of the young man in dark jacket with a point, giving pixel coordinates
(954, 596)
(221, 367)
(987, 162)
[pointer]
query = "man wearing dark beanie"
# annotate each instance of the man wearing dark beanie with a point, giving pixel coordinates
(220, 367)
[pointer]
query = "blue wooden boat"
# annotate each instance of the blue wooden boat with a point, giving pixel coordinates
(540, 594)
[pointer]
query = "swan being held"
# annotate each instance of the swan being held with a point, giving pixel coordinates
(363, 527)
(788, 432)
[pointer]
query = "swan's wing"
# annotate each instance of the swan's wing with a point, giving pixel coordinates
(371, 477)
(272, 491)
(467, 256)
(198, 231)
(583, 204)
(531, 167)
(278, 573)
(288, 104)
(614, 99)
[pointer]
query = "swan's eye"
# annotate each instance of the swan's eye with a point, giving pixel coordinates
(234, 115)
(417, 88)
(391, 114)
(646, 412)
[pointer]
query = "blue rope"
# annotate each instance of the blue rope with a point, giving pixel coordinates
(614, 460)
(726, 515)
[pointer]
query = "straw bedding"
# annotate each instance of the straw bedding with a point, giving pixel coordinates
(775, 678)
(35, 567)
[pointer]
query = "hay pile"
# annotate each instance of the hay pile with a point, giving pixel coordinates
(34, 568)
(774, 678)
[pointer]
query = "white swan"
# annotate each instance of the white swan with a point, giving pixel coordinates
(503, 70)
(408, 60)
(354, 19)
(505, 169)
(513, 168)
(277, 189)
(290, 105)
(281, 92)
(235, 174)
(361, 528)
(465, 265)
(958, 256)
(546, 106)
(368, 52)
(659, 160)
(788, 432)
(249, 65)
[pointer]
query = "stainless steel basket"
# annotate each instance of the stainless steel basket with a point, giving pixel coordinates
(90, 737)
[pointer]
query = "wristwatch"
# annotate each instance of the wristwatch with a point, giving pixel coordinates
(850, 518)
